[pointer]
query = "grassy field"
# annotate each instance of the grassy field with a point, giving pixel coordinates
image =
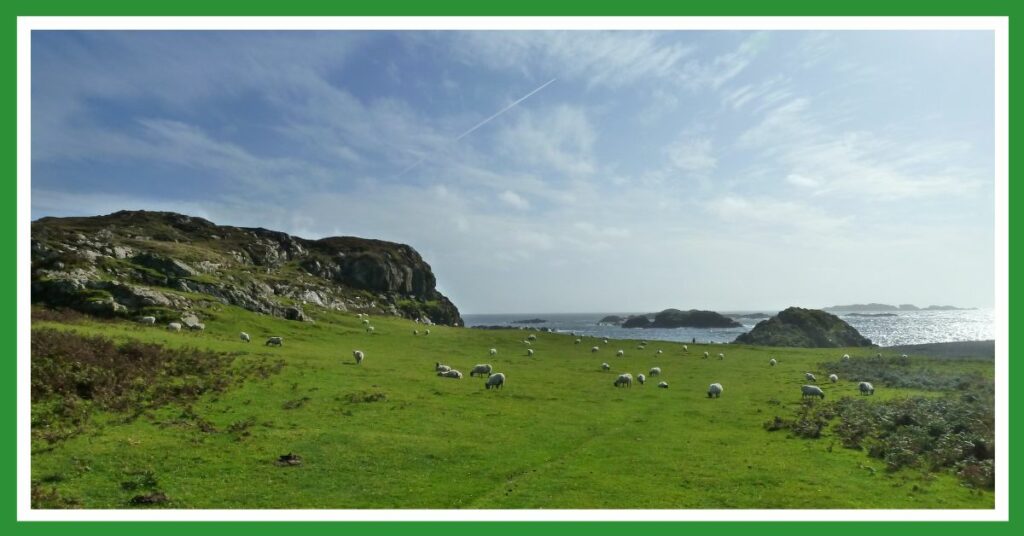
(389, 433)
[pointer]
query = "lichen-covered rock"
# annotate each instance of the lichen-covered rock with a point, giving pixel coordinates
(804, 328)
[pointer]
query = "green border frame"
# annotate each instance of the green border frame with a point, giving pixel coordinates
(1014, 9)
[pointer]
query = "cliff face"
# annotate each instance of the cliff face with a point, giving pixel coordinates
(805, 328)
(160, 263)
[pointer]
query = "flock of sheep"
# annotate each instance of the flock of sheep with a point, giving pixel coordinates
(497, 379)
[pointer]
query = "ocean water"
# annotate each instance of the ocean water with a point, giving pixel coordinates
(907, 327)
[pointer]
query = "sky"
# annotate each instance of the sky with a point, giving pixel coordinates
(544, 171)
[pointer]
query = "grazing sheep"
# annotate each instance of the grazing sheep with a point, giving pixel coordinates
(526, 342)
(198, 326)
(879, 355)
(655, 371)
(810, 377)
(772, 362)
(705, 355)
(480, 369)
(531, 338)
(366, 321)
(493, 351)
(415, 332)
(148, 320)
(846, 357)
(605, 367)
(174, 326)
(660, 352)
(640, 347)
(605, 341)
(577, 341)
(812, 390)
(620, 353)
(686, 348)
(641, 378)
(904, 356)
(438, 367)
(833, 378)
(721, 356)
(624, 380)
(866, 388)
(594, 349)
(715, 390)
(450, 374)
(426, 332)
(245, 337)
(274, 341)
(643, 342)
(358, 354)
(369, 329)
(496, 381)
(663, 385)
(529, 352)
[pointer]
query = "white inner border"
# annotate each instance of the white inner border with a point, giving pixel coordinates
(999, 25)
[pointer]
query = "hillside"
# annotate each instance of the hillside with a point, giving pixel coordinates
(161, 263)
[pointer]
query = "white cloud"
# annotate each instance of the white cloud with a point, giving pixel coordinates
(800, 180)
(514, 200)
(692, 154)
(561, 138)
(724, 67)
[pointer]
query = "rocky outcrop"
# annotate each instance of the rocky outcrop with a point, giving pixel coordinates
(612, 319)
(804, 328)
(674, 318)
(637, 321)
(120, 264)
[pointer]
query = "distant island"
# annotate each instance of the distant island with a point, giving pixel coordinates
(862, 307)
(751, 315)
(674, 318)
(612, 319)
(530, 321)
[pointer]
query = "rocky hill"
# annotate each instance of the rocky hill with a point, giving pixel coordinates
(674, 318)
(804, 328)
(162, 264)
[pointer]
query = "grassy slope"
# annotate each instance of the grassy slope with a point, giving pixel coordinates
(558, 436)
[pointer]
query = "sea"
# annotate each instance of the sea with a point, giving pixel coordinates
(905, 327)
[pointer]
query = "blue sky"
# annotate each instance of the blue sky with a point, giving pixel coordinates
(690, 169)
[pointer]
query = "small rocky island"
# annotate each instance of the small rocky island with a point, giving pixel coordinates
(530, 321)
(612, 319)
(674, 318)
(804, 328)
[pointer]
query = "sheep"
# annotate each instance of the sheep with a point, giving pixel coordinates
(686, 348)
(496, 381)
(624, 380)
(772, 362)
(810, 377)
(366, 321)
(812, 390)
(705, 355)
(480, 369)
(641, 378)
(415, 332)
(620, 353)
(594, 349)
(605, 367)
(643, 342)
(577, 341)
(426, 332)
(655, 371)
(660, 352)
(879, 355)
(526, 342)
(531, 338)
(721, 356)
(846, 357)
(833, 378)
(244, 337)
(369, 329)
(452, 373)
(640, 347)
(438, 367)
(274, 341)
(904, 356)
(198, 326)
(529, 352)
(174, 326)
(358, 354)
(663, 385)
(715, 390)
(148, 320)
(494, 351)
(866, 388)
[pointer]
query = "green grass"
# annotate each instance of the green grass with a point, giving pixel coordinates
(391, 434)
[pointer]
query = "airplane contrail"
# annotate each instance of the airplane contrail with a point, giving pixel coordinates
(484, 122)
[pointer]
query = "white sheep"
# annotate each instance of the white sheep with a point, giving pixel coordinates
(715, 390)
(810, 377)
(531, 338)
(620, 353)
(274, 341)
(812, 390)
(526, 342)
(358, 354)
(605, 367)
(879, 355)
(655, 371)
(706, 355)
(366, 321)
(663, 385)
(624, 380)
(594, 349)
(494, 351)
(245, 337)
(772, 362)
(415, 332)
(660, 352)
(452, 373)
(721, 356)
(605, 341)
(866, 388)
(833, 378)
(640, 378)
(369, 329)
(148, 320)
(426, 332)
(480, 369)
(846, 357)
(529, 352)
(438, 367)
(577, 341)
(174, 326)
(198, 326)
(686, 348)
(904, 356)
(496, 381)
